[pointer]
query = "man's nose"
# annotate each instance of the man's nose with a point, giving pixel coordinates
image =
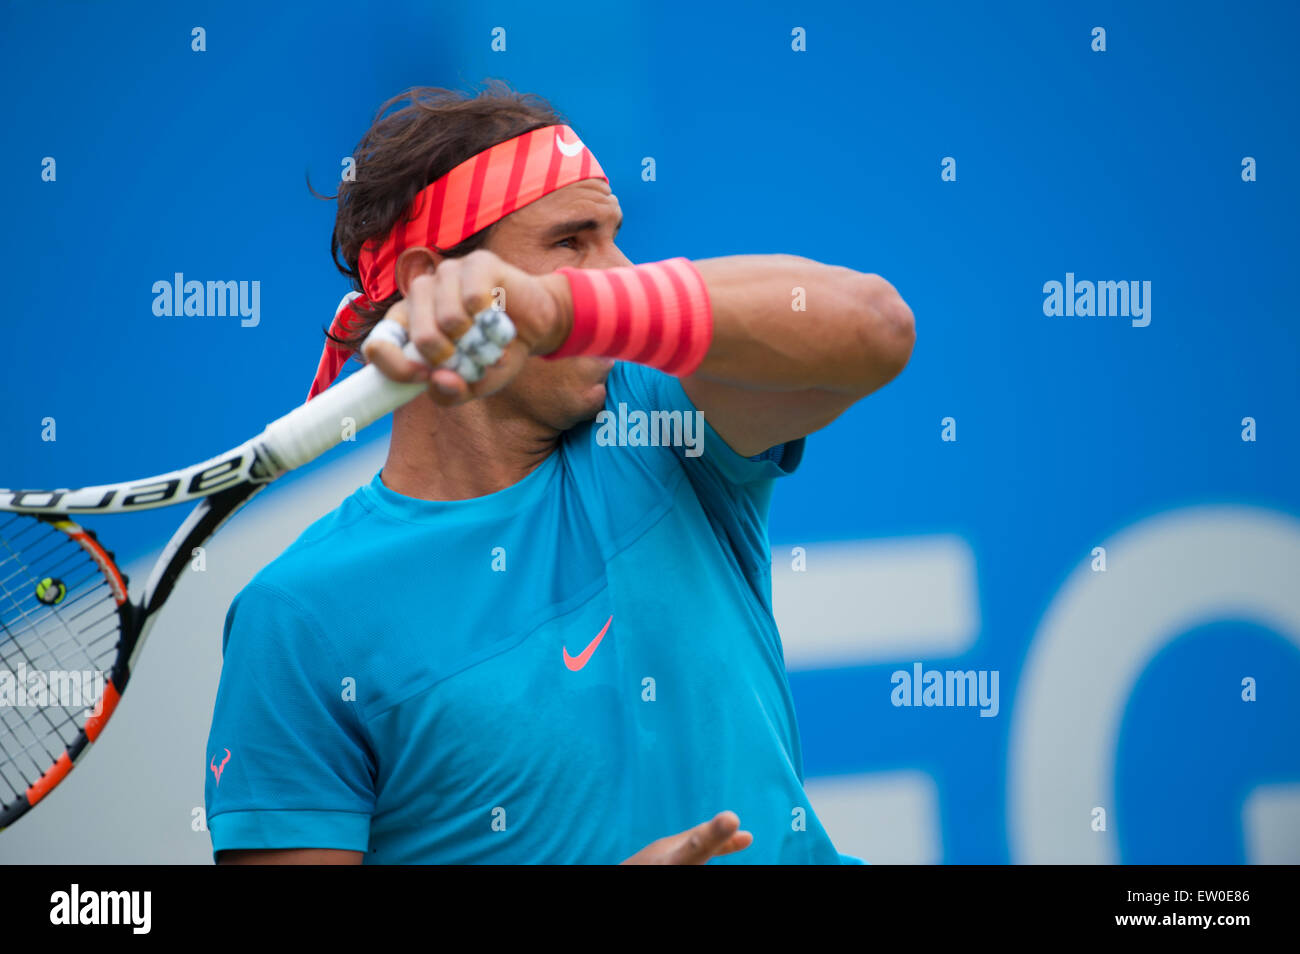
(608, 256)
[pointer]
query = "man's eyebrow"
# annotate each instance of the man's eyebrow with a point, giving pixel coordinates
(578, 225)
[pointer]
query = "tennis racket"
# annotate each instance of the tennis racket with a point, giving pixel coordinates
(68, 628)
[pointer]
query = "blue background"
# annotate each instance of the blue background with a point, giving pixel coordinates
(1117, 165)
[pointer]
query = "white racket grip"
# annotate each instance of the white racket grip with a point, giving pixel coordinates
(357, 401)
(387, 330)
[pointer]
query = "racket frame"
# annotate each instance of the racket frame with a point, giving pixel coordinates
(221, 485)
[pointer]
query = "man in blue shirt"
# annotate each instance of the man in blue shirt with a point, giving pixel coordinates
(543, 632)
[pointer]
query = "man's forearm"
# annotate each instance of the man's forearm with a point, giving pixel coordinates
(784, 323)
(769, 347)
(780, 322)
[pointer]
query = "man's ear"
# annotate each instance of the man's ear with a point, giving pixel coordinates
(412, 263)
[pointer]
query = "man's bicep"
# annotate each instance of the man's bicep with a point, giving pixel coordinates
(752, 421)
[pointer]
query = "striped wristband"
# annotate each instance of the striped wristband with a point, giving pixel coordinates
(657, 314)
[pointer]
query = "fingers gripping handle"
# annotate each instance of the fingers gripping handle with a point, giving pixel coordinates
(305, 433)
(482, 345)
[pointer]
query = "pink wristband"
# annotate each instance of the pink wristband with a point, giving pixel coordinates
(657, 314)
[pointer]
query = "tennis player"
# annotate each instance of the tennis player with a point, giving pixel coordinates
(543, 632)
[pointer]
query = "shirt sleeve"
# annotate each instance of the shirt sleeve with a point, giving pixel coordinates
(288, 761)
(735, 491)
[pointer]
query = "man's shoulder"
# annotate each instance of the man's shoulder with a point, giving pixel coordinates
(318, 563)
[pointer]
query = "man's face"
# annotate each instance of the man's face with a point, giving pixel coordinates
(574, 226)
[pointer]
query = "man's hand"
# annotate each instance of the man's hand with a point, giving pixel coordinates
(719, 836)
(439, 304)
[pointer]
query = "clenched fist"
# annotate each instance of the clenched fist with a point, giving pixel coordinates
(439, 306)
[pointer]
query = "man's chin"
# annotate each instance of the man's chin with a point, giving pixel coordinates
(595, 394)
(591, 400)
(595, 400)
(600, 367)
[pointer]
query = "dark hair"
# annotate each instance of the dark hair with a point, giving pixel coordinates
(434, 131)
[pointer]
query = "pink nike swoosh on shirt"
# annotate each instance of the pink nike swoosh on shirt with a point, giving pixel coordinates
(577, 662)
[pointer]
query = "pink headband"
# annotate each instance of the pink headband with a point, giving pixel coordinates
(481, 190)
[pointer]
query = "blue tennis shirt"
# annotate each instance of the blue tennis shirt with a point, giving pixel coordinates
(559, 672)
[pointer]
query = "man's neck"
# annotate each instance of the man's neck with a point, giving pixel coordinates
(463, 452)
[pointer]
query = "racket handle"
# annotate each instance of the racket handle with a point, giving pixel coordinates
(356, 402)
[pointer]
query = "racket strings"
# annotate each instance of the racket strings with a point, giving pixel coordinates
(27, 754)
(56, 609)
(28, 632)
(31, 742)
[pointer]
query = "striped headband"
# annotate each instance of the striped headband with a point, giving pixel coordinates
(483, 189)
